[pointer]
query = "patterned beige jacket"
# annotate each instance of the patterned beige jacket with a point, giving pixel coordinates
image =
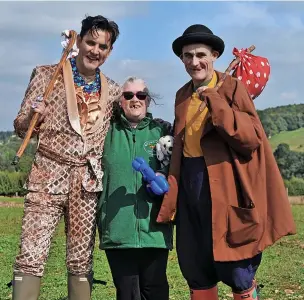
(62, 146)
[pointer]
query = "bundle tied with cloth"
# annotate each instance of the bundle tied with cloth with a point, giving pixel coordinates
(252, 70)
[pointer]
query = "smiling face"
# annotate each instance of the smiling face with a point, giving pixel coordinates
(94, 49)
(198, 60)
(135, 109)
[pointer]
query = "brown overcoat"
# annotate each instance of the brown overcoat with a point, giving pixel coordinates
(250, 207)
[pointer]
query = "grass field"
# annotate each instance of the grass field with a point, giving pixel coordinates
(281, 272)
(295, 139)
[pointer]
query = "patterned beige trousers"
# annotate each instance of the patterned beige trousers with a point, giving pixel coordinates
(42, 213)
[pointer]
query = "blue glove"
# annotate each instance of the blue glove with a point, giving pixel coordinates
(158, 184)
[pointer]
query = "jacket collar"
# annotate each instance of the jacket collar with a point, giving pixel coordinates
(73, 113)
(142, 124)
(182, 103)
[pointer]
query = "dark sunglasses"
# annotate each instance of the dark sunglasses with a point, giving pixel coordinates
(139, 95)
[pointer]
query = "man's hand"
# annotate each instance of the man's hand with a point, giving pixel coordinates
(39, 106)
(200, 91)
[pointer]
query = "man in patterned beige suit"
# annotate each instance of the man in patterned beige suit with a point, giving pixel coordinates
(66, 173)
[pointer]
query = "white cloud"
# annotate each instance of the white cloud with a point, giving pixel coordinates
(295, 23)
(30, 36)
(19, 61)
(244, 14)
(10, 100)
(53, 17)
(289, 96)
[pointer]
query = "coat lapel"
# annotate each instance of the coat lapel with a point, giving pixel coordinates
(181, 108)
(73, 113)
(71, 97)
(103, 102)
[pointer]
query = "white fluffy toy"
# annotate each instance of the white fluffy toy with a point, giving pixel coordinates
(74, 52)
(164, 149)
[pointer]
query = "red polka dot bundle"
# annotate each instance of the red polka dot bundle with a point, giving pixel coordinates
(252, 70)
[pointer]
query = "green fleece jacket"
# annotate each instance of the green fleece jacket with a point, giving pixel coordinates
(126, 212)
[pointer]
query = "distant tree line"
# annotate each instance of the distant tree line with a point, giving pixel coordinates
(11, 183)
(274, 120)
(12, 178)
(291, 165)
(8, 149)
(5, 135)
(282, 118)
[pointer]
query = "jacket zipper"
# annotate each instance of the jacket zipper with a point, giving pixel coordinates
(137, 227)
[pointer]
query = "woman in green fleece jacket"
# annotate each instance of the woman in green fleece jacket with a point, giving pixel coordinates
(136, 246)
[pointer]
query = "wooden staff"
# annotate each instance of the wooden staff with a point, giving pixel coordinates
(47, 92)
(227, 72)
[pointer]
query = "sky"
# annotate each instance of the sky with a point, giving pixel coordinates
(30, 35)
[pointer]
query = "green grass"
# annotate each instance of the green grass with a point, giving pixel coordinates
(12, 199)
(281, 272)
(295, 139)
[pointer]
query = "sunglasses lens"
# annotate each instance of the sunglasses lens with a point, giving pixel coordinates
(141, 95)
(128, 95)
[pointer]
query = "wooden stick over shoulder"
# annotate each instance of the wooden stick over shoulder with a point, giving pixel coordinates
(47, 92)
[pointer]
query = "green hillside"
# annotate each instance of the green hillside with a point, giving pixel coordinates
(294, 138)
(282, 118)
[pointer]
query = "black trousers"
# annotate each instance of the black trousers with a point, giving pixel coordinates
(139, 274)
(194, 244)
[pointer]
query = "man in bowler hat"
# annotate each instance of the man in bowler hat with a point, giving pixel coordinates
(226, 192)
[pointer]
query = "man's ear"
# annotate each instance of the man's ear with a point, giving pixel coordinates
(108, 54)
(182, 58)
(215, 55)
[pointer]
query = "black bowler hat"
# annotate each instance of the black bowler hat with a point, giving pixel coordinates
(198, 34)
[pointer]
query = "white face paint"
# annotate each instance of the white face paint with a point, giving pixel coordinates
(198, 60)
